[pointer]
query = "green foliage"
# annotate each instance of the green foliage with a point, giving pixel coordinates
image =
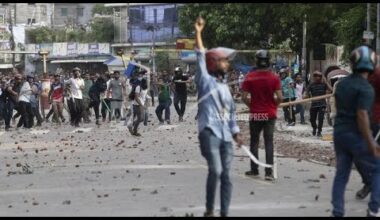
(101, 31)
(254, 25)
(350, 29)
(162, 61)
(101, 9)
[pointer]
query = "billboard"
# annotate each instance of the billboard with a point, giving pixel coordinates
(185, 44)
(72, 49)
(93, 48)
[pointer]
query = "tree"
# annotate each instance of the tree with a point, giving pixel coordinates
(253, 25)
(101, 9)
(101, 30)
(162, 61)
(40, 35)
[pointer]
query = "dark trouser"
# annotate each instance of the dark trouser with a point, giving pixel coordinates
(2, 106)
(218, 154)
(26, 114)
(7, 113)
(301, 109)
(86, 109)
(95, 105)
(351, 147)
(75, 106)
(105, 109)
(146, 115)
(180, 99)
(365, 171)
(18, 113)
(138, 117)
(314, 113)
(255, 128)
(51, 111)
(289, 117)
(152, 95)
(161, 107)
(36, 113)
(117, 113)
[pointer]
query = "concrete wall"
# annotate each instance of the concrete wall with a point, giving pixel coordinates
(72, 15)
(37, 11)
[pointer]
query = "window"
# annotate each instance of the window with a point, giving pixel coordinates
(80, 12)
(170, 15)
(31, 21)
(136, 15)
(63, 11)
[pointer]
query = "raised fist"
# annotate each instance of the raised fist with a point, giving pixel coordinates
(199, 24)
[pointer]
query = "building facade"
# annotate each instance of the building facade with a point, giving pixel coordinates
(72, 14)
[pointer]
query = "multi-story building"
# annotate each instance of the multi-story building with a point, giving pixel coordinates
(25, 13)
(148, 24)
(73, 14)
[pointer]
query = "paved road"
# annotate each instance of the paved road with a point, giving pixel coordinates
(104, 171)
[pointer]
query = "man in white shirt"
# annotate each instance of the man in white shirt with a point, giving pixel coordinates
(138, 104)
(300, 90)
(24, 105)
(75, 101)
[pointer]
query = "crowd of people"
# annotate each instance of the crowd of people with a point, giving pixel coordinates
(109, 95)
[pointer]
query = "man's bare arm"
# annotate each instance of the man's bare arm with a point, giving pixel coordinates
(199, 25)
(245, 99)
(278, 96)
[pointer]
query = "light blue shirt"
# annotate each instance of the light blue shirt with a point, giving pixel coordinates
(216, 107)
(287, 93)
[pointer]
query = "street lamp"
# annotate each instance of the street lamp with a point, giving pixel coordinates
(44, 56)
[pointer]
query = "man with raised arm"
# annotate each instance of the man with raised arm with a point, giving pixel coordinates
(216, 119)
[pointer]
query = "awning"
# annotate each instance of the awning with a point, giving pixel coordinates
(116, 60)
(78, 61)
(6, 66)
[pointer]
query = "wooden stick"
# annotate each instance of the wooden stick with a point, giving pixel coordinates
(297, 102)
(306, 100)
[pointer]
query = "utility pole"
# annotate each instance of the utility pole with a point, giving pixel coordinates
(12, 40)
(303, 59)
(378, 30)
(369, 21)
(154, 40)
(52, 15)
(120, 25)
(174, 18)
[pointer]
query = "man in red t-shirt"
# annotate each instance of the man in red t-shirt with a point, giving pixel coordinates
(262, 84)
(56, 98)
(374, 79)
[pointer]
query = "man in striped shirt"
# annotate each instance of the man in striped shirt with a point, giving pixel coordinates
(318, 87)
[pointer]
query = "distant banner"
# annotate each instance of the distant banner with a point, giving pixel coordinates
(46, 47)
(93, 48)
(5, 46)
(72, 49)
(185, 44)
